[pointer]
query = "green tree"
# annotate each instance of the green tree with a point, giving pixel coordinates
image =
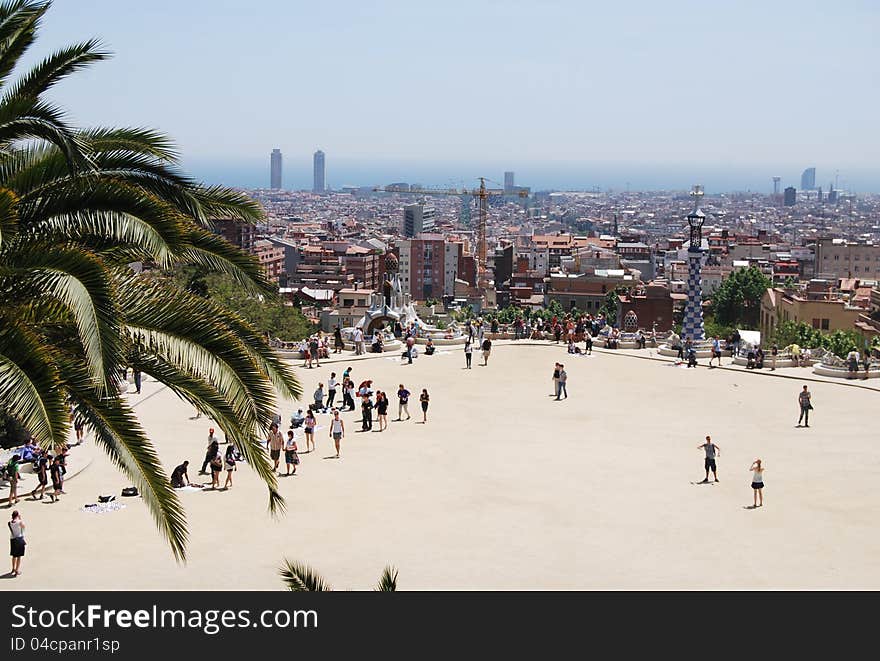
(839, 342)
(610, 305)
(76, 207)
(299, 577)
(737, 301)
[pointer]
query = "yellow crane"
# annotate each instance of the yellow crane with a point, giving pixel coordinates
(482, 194)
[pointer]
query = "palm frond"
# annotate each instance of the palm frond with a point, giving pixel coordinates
(300, 577)
(18, 25)
(56, 67)
(388, 582)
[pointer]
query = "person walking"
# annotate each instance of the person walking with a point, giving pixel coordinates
(348, 395)
(366, 412)
(716, 351)
(337, 340)
(137, 381)
(315, 348)
(16, 542)
(337, 431)
(403, 402)
(210, 453)
(216, 469)
(13, 475)
(382, 410)
(41, 467)
(555, 380)
(757, 469)
(589, 343)
(866, 363)
(358, 341)
(712, 451)
(487, 349)
(309, 427)
(56, 471)
(291, 456)
(563, 378)
(805, 402)
(410, 341)
(331, 389)
(274, 443)
(468, 353)
(229, 465)
(424, 398)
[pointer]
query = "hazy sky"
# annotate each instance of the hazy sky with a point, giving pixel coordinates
(766, 86)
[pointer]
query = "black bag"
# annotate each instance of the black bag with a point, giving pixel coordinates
(129, 491)
(106, 499)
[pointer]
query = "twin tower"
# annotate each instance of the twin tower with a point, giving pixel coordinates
(275, 168)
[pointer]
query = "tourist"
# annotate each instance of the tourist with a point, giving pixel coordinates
(41, 468)
(13, 475)
(319, 398)
(137, 381)
(216, 469)
(16, 542)
(852, 362)
(806, 406)
(347, 373)
(424, 398)
(366, 413)
(56, 472)
(555, 380)
(315, 348)
(736, 341)
(358, 341)
(229, 464)
(310, 424)
(757, 469)
(712, 451)
(716, 351)
(403, 402)
(430, 348)
(337, 430)
(291, 457)
(382, 410)
(691, 357)
(468, 352)
(675, 343)
(297, 419)
(867, 363)
(588, 339)
(274, 442)
(750, 359)
(211, 437)
(210, 453)
(774, 351)
(795, 352)
(78, 426)
(487, 349)
(179, 474)
(307, 356)
(348, 395)
(337, 340)
(331, 389)
(563, 378)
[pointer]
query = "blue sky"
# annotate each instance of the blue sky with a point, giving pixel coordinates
(755, 87)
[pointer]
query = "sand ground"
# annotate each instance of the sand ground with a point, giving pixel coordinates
(505, 488)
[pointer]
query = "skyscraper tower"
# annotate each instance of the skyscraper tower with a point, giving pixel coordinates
(318, 172)
(808, 179)
(275, 169)
(776, 181)
(508, 182)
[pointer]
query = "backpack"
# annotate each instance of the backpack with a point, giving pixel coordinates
(129, 491)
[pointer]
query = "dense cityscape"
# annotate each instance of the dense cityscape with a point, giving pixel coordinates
(324, 248)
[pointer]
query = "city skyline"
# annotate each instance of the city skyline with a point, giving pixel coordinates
(640, 86)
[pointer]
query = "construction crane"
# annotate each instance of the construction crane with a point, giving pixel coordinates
(482, 194)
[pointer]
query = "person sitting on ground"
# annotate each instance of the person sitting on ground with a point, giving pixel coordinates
(429, 347)
(640, 340)
(692, 357)
(750, 359)
(759, 358)
(179, 475)
(296, 420)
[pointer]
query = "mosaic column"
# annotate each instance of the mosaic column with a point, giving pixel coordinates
(692, 324)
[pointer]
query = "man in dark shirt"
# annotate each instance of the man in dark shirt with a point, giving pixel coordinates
(367, 409)
(178, 475)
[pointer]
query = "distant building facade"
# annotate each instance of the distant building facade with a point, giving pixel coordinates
(790, 196)
(808, 179)
(509, 185)
(838, 258)
(318, 184)
(275, 169)
(238, 233)
(417, 218)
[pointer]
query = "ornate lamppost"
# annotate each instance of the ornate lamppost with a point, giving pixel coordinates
(692, 325)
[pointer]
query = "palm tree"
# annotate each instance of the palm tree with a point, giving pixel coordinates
(301, 578)
(76, 208)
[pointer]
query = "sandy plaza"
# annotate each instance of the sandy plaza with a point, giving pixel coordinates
(506, 488)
